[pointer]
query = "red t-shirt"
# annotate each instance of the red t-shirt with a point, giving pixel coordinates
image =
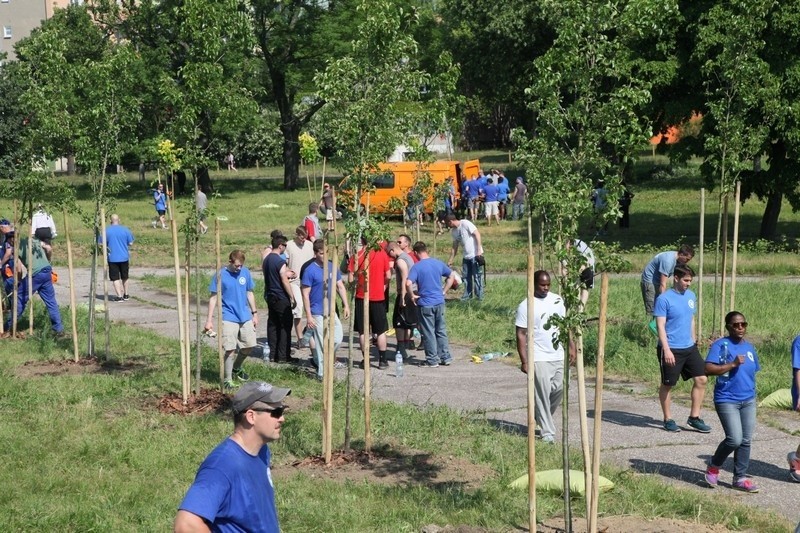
(378, 267)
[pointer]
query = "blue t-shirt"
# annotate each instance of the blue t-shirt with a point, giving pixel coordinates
(235, 286)
(491, 192)
(679, 310)
(118, 238)
(233, 491)
(740, 384)
(795, 368)
(473, 188)
(312, 277)
(427, 274)
(503, 190)
(661, 264)
(160, 200)
(451, 191)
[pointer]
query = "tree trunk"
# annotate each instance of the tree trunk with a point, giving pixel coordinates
(769, 222)
(204, 180)
(291, 153)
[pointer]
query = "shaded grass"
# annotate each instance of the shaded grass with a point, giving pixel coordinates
(89, 452)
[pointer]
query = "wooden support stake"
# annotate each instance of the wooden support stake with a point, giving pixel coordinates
(181, 325)
(598, 402)
(724, 281)
(366, 346)
(531, 396)
(220, 350)
(107, 328)
(73, 303)
(17, 268)
(584, 422)
(735, 244)
(326, 429)
(700, 268)
(330, 353)
(30, 284)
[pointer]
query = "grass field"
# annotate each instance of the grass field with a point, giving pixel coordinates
(85, 449)
(252, 202)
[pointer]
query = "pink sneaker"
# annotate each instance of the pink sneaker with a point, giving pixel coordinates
(712, 476)
(794, 467)
(745, 484)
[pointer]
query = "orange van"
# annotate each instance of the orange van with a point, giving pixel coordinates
(396, 179)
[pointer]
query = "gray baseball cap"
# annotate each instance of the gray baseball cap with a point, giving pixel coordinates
(258, 391)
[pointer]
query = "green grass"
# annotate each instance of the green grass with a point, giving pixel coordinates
(665, 212)
(89, 452)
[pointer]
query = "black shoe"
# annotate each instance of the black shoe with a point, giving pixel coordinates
(383, 364)
(125, 297)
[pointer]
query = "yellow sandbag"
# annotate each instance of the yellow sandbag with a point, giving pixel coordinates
(780, 399)
(553, 481)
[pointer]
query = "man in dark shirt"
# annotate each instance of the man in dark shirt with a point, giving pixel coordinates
(280, 301)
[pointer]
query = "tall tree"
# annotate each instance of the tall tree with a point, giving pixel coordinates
(295, 39)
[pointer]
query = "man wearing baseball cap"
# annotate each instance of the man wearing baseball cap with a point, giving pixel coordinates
(233, 488)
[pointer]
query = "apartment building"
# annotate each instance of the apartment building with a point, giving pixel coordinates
(19, 17)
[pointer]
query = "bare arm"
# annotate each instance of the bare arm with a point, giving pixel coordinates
(797, 381)
(402, 277)
(522, 347)
(661, 323)
(452, 253)
(342, 290)
(410, 287)
(212, 303)
(48, 251)
(186, 522)
(306, 292)
(251, 300)
(449, 283)
(713, 369)
(478, 242)
(286, 284)
(662, 285)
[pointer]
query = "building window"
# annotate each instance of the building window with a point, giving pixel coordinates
(7, 32)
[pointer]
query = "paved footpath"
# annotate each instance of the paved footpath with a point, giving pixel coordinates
(631, 431)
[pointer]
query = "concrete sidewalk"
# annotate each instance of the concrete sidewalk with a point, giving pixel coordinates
(496, 390)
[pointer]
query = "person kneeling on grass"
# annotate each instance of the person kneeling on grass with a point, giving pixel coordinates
(734, 361)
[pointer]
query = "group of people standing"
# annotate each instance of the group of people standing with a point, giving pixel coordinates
(731, 359)
(492, 192)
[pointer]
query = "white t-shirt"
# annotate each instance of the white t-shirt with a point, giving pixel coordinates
(296, 257)
(42, 219)
(544, 308)
(465, 234)
(585, 251)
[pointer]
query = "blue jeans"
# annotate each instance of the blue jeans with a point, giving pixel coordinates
(43, 284)
(319, 335)
(434, 334)
(738, 420)
(517, 211)
(473, 277)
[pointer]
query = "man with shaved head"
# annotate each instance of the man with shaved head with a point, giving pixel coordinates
(118, 239)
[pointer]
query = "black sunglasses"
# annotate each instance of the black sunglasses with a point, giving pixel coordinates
(274, 413)
(736, 325)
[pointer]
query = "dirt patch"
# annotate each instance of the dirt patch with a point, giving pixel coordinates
(69, 367)
(625, 524)
(209, 400)
(389, 466)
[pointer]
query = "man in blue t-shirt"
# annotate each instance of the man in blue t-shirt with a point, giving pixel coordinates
(491, 196)
(312, 281)
(233, 489)
(796, 374)
(502, 191)
(118, 241)
(658, 271)
(239, 314)
(425, 284)
(677, 351)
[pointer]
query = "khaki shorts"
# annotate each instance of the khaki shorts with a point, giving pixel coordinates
(491, 209)
(297, 312)
(234, 333)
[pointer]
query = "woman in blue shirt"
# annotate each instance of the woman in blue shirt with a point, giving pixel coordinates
(734, 361)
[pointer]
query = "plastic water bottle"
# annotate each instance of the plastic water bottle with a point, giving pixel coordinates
(265, 352)
(723, 358)
(307, 334)
(398, 365)
(494, 355)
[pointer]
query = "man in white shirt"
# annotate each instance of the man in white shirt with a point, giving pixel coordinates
(299, 251)
(467, 235)
(548, 357)
(42, 225)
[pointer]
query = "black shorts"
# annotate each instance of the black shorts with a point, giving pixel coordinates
(161, 212)
(587, 278)
(118, 271)
(688, 364)
(377, 317)
(405, 317)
